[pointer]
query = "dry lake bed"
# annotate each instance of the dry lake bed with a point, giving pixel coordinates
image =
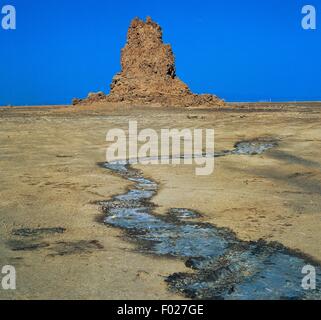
(62, 220)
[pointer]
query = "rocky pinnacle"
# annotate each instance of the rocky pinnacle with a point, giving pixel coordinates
(148, 73)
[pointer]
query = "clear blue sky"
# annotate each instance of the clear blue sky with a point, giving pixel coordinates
(240, 50)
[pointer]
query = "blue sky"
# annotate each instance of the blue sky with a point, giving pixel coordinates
(245, 50)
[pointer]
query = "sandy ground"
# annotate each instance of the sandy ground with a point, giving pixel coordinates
(49, 178)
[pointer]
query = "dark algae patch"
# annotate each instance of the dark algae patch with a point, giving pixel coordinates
(222, 266)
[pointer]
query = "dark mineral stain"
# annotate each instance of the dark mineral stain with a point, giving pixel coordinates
(224, 266)
(28, 232)
(18, 245)
(63, 248)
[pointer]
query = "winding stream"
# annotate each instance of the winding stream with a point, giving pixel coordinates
(224, 267)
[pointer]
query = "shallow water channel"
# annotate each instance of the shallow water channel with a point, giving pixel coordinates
(224, 267)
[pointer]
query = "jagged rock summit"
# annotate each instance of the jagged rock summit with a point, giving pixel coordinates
(148, 73)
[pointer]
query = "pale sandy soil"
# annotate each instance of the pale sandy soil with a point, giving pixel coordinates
(49, 178)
